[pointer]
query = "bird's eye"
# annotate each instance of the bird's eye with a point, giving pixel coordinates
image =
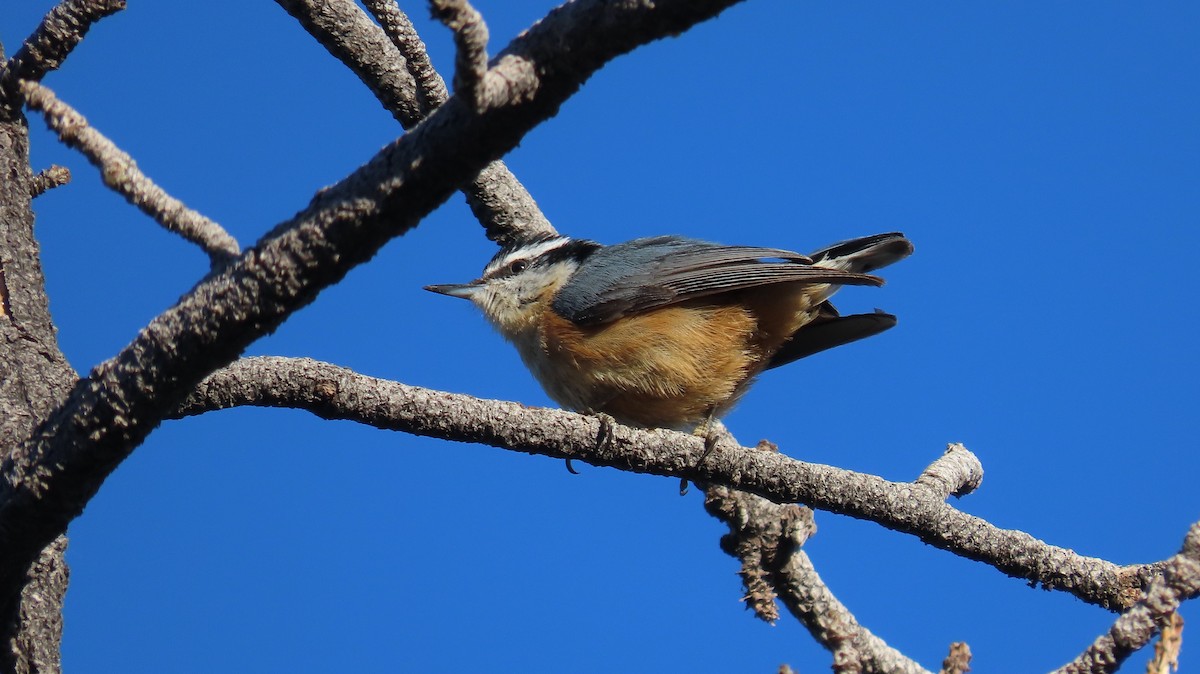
(518, 266)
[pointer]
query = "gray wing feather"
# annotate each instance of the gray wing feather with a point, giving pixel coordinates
(645, 274)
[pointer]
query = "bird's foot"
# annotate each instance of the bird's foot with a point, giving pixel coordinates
(710, 430)
(604, 436)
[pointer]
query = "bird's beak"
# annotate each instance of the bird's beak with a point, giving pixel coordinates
(463, 290)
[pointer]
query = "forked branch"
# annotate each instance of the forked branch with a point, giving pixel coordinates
(395, 67)
(54, 474)
(766, 538)
(1180, 580)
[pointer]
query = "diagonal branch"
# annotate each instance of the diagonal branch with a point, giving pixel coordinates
(431, 90)
(120, 173)
(122, 400)
(388, 67)
(60, 32)
(767, 537)
(337, 393)
(1180, 580)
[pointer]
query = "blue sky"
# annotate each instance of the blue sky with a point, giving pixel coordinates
(1043, 157)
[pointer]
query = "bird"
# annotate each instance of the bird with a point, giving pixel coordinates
(670, 331)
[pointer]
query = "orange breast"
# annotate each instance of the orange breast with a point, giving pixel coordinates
(780, 310)
(669, 367)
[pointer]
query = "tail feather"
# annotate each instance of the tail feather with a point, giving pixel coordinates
(865, 254)
(828, 331)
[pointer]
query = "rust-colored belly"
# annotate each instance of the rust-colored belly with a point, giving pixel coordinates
(674, 366)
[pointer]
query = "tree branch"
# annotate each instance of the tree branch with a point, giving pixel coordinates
(958, 661)
(39, 639)
(332, 392)
(122, 400)
(470, 48)
(59, 33)
(36, 377)
(388, 64)
(957, 473)
(120, 173)
(767, 537)
(1180, 580)
(48, 179)
(431, 90)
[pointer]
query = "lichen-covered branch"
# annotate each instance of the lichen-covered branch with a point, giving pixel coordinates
(396, 69)
(956, 473)
(337, 393)
(52, 476)
(121, 174)
(49, 178)
(1180, 580)
(767, 538)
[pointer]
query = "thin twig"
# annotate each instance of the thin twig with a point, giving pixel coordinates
(497, 199)
(1180, 580)
(958, 661)
(121, 174)
(48, 179)
(337, 393)
(1166, 649)
(470, 48)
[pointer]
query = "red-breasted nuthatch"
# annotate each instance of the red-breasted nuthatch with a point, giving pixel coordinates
(669, 331)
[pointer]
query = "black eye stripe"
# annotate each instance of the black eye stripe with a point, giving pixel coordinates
(574, 249)
(571, 249)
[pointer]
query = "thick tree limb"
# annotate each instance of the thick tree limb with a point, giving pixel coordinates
(121, 174)
(388, 67)
(123, 399)
(59, 33)
(34, 375)
(1180, 580)
(336, 393)
(38, 641)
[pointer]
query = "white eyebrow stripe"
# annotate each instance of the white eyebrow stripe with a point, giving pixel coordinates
(527, 253)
